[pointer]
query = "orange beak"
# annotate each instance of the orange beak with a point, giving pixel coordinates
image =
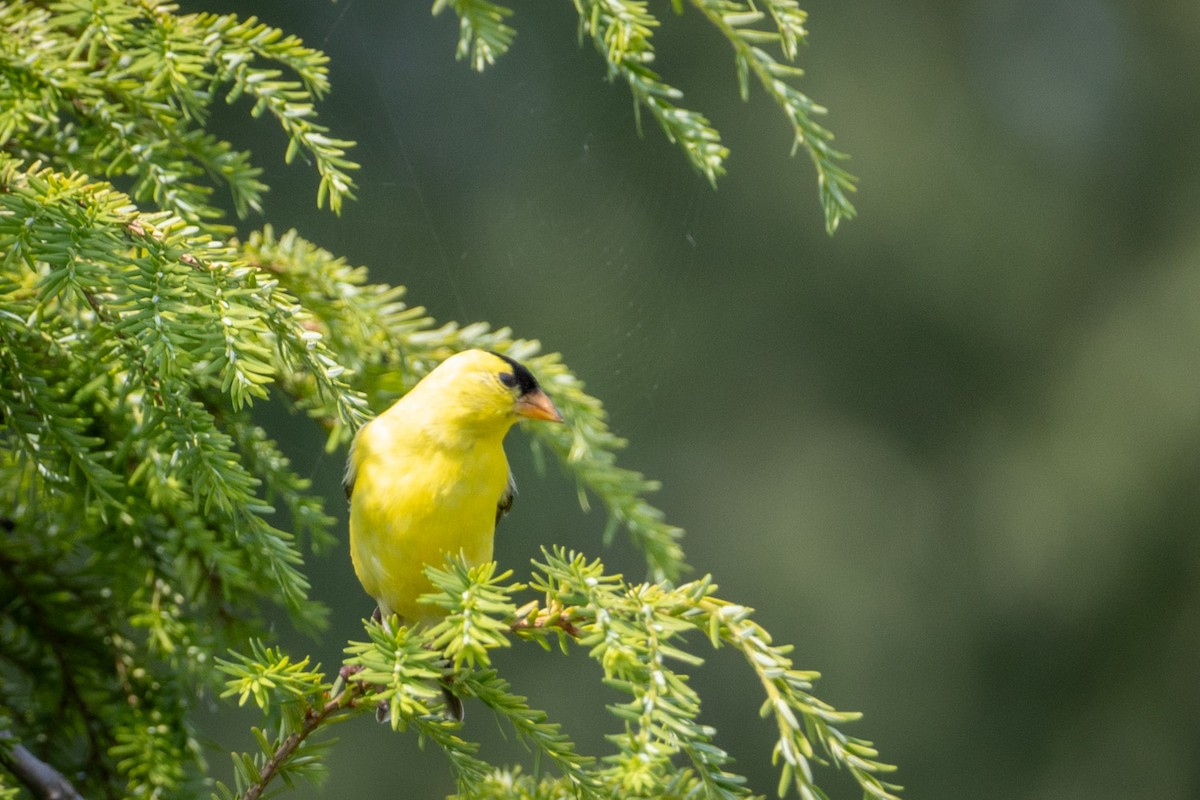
(536, 405)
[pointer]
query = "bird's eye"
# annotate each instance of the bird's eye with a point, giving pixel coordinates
(508, 379)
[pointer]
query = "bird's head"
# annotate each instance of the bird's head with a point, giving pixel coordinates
(478, 387)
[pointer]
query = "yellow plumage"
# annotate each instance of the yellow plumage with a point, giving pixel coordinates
(429, 478)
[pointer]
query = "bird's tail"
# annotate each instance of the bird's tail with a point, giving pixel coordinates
(454, 710)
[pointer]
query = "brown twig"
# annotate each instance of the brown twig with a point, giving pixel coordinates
(38, 776)
(563, 619)
(314, 718)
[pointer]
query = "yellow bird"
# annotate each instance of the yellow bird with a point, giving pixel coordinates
(428, 477)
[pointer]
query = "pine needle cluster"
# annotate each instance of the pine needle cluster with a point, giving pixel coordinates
(146, 519)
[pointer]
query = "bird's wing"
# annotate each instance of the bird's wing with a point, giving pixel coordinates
(506, 498)
(350, 475)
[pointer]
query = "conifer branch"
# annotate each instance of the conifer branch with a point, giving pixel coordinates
(622, 32)
(39, 777)
(314, 719)
(483, 34)
(304, 705)
(125, 89)
(634, 631)
(141, 532)
(739, 22)
(62, 651)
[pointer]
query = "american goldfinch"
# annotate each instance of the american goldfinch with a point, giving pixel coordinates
(428, 477)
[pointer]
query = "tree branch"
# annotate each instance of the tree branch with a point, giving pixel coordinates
(60, 651)
(314, 718)
(38, 776)
(530, 618)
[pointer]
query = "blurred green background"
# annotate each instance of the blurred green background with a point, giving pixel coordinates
(950, 453)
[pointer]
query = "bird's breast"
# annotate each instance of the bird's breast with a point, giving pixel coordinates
(414, 505)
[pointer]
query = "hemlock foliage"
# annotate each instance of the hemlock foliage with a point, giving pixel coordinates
(145, 516)
(765, 37)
